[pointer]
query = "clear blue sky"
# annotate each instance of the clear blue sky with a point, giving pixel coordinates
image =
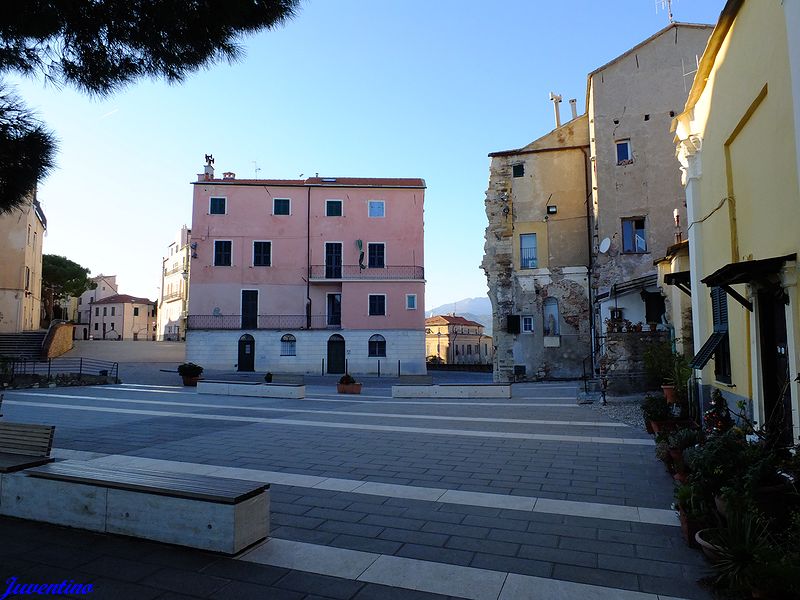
(368, 88)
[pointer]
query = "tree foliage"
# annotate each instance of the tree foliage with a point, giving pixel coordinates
(99, 46)
(62, 278)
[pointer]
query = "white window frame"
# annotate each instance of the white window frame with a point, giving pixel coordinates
(253, 253)
(341, 204)
(225, 198)
(385, 306)
(377, 354)
(617, 144)
(409, 297)
(289, 200)
(385, 261)
(214, 253)
(376, 202)
(289, 344)
(530, 320)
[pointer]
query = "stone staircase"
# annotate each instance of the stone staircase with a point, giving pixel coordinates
(27, 344)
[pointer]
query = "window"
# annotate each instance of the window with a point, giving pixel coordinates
(377, 346)
(29, 235)
(527, 324)
(377, 304)
(486, 349)
(518, 170)
(550, 317)
(113, 311)
(376, 253)
(288, 345)
(281, 206)
(262, 254)
(411, 302)
(377, 209)
(135, 311)
(527, 251)
(222, 253)
(722, 354)
(34, 239)
(27, 278)
(633, 235)
(469, 349)
(105, 311)
(624, 156)
(333, 208)
(216, 206)
(95, 326)
(96, 312)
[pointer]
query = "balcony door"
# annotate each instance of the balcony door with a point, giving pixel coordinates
(249, 309)
(247, 353)
(334, 310)
(333, 260)
(336, 354)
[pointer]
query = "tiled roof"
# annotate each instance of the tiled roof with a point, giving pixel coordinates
(323, 182)
(450, 320)
(123, 299)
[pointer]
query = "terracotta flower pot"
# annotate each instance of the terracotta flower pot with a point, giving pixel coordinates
(709, 549)
(190, 381)
(669, 393)
(689, 528)
(348, 388)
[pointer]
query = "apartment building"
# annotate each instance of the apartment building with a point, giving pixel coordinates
(103, 286)
(123, 317)
(174, 301)
(318, 275)
(454, 340)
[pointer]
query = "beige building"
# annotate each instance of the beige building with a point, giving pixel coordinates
(123, 317)
(638, 202)
(536, 255)
(106, 285)
(455, 340)
(21, 236)
(172, 306)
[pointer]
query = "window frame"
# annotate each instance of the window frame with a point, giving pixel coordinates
(369, 305)
(551, 301)
(626, 142)
(224, 205)
(328, 204)
(523, 328)
(230, 254)
(379, 348)
(409, 297)
(253, 253)
(135, 311)
(288, 346)
(518, 170)
(633, 220)
(382, 256)
(382, 204)
(522, 263)
(281, 214)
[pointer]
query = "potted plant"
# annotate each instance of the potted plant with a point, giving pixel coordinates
(693, 510)
(268, 377)
(348, 385)
(654, 411)
(190, 373)
(681, 440)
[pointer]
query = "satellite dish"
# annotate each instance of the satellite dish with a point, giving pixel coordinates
(216, 312)
(604, 245)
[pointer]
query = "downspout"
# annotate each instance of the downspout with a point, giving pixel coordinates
(308, 257)
(587, 188)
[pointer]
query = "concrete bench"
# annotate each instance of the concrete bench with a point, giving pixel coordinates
(24, 445)
(210, 513)
(456, 390)
(252, 389)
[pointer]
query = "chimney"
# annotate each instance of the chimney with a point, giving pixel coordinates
(556, 99)
(229, 175)
(209, 172)
(573, 105)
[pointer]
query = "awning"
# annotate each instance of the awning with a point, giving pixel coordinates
(706, 352)
(626, 287)
(681, 280)
(748, 271)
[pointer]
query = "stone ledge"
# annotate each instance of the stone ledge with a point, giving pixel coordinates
(256, 390)
(486, 390)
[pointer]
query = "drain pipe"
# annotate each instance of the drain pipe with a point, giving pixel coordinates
(587, 188)
(308, 257)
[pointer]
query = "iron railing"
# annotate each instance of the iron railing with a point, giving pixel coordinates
(327, 272)
(259, 322)
(171, 296)
(527, 258)
(51, 367)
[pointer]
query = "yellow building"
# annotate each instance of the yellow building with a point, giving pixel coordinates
(738, 144)
(21, 236)
(455, 340)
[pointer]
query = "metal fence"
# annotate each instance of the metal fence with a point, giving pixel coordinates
(61, 366)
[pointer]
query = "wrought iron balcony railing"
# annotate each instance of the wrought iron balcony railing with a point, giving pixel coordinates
(171, 296)
(260, 322)
(327, 272)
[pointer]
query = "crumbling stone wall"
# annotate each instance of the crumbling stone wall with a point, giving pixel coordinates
(624, 359)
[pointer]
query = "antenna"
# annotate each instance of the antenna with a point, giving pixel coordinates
(665, 5)
(256, 167)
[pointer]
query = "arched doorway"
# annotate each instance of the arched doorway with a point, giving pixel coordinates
(336, 363)
(247, 353)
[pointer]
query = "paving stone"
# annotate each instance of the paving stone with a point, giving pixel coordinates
(359, 529)
(278, 519)
(640, 539)
(495, 522)
(417, 537)
(120, 568)
(251, 591)
(366, 544)
(639, 565)
(442, 555)
(377, 509)
(523, 537)
(186, 582)
(440, 516)
(323, 585)
(454, 529)
(522, 566)
(336, 515)
(288, 509)
(311, 536)
(57, 555)
(245, 571)
(395, 522)
(598, 547)
(485, 546)
(121, 590)
(559, 555)
(373, 591)
(671, 586)
(611, 579)
(178, 558)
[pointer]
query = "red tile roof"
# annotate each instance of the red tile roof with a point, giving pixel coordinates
(123, 299)
(450, 320)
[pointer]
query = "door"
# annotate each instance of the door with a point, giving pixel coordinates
(775, 363)
(249, 309)
(336, 363)
(334, 310)
(333, 260)
(247, 353)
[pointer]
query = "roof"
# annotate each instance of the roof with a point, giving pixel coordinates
(543, 144)
(451, 320)
(396, 182)
(123, 299)
(747, 271)
(673, 250)
(626, 287)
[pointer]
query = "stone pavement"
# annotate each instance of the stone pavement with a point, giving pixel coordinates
(533, 497)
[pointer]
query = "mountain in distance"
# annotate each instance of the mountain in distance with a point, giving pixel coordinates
(475, 309)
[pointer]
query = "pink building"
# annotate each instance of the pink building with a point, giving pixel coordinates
(307, 276)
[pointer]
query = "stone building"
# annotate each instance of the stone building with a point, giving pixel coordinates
(536, 255)
(450, 339)
(174, 302)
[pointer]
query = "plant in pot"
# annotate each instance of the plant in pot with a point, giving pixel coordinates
(190, 373)
(678, 442)
(662, 454)
(348, 385)
(655, 411)
(693, 510)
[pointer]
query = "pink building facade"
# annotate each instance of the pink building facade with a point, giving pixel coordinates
(314, 276)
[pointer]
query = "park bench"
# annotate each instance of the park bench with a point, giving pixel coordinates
(211, 513)
(24, 445)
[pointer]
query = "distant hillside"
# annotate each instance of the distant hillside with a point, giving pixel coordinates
(474, 309)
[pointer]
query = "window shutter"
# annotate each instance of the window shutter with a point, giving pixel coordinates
(719, 308)
(512, 323)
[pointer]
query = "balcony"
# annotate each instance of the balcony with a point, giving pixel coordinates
(277, 322)
(169, 297)
(326, 273)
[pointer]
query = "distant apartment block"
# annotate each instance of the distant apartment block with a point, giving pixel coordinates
(21, 236)
(173, 305)
(454, 340)
(123, 317)
(320, 275)
(106, 285)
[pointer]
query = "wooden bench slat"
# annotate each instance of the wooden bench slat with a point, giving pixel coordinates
(198, 487)
(26, 438)
(17, 462)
